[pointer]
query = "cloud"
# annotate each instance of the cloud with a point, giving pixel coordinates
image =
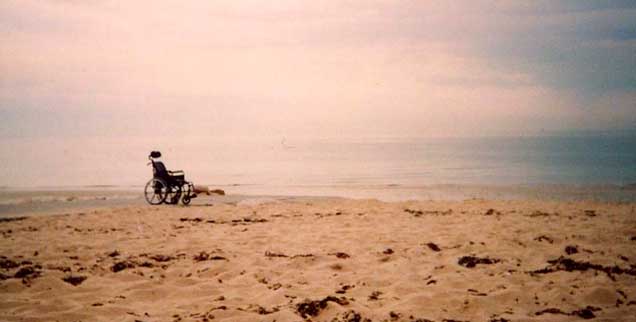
(316, 68)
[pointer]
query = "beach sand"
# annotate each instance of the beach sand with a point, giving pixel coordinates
(323, 260)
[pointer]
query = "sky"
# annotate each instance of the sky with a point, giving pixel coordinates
(291, 68)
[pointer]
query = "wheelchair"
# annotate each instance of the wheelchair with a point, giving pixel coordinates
(167, 186)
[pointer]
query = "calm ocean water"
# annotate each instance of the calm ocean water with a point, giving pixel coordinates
(290, 162)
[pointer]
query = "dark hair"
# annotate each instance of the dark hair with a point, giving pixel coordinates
(155, 154)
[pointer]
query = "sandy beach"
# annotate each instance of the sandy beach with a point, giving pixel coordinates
(317, 161)
(324, 259)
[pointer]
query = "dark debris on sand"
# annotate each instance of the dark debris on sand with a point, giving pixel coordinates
(472, 261)
(350, 316)
(570, 265)
(344, 289)
(590, 213)
(120, 266)
(340, 255)
(259, 309)
(28, 273)
(330, 214)
(161, 258)
(474, 292)
(544, 237)
(204, 256)
(433, 247)
(491, 212)
(302, 255)
(27, 270)
(419, 213)
(263, 311)
(272, 254)
(132, 262)
(6, 263)
(571, 250)
(233, 222)
(538, 213)
(585, 313)
(74, 280)
(10, 219)
(185, 219)
(375, 295)
(312, 308)
(247, 220)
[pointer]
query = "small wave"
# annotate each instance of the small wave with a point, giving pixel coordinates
(25, 200)
(63, 199)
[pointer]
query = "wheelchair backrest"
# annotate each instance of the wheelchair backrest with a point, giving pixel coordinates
(160, 169)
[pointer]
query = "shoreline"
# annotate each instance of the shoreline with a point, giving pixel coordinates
(21, 201)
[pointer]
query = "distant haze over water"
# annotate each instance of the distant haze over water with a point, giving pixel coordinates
(280, 161)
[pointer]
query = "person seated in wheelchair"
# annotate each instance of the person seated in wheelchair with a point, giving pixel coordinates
(167, 186)
(176, 177)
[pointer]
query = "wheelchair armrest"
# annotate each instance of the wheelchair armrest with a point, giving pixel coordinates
(176, 172)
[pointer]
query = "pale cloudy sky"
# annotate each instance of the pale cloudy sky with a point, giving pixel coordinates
(316, 68)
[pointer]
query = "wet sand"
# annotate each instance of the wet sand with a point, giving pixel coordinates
(323, 260)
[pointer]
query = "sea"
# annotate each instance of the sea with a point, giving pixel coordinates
(565, 167)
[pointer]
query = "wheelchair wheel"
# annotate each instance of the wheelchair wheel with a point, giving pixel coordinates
(156, 191)
(186, 194)
(173, 196)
